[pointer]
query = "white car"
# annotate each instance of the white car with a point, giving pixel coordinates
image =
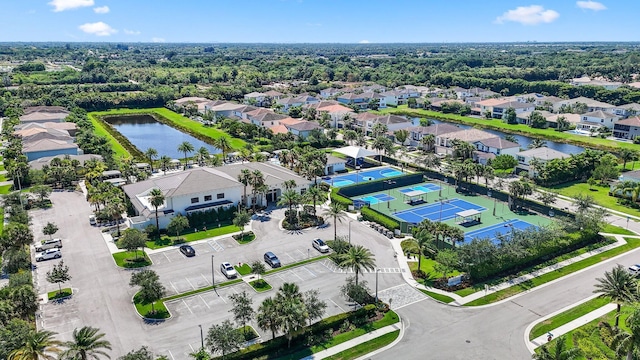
(49, 254)
(634, 269)
(227, 270)
(320, 245)
(48, 244)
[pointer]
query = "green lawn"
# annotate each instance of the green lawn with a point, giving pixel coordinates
(160, 311)
(5, 189)
(99, 130)
(567, 316)
(54, 295)
(600, 195)
(243, 270)
(366, 347)
(428, 266)
(612, 229)
(516, 289)
(178, 121)
(260, 285)
(444, 298)
(496, 124)
(193, 236)
(246, 238)
(125, 259)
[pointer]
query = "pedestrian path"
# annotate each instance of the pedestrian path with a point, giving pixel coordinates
(357, 341)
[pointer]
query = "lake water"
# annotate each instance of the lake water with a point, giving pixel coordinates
(523, 141)
(145, 132)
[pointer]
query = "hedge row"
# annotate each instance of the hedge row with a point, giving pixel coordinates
(335, 197)
(370, 214)
(279, 345)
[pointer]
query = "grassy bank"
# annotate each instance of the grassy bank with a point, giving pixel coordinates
(497, 124)
(567, 316)
(599, 193)
(366, 347)
(100, 130)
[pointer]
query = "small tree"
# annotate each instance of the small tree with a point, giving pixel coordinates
(50, 229)
(151, 289)
(357, 292)
(224, 338)
(242, 309)
(241, 219)
(315, 307)
(547, 198)
(132, 240)
(177, 224)
(447, 260)
(258, 268)
(58, 275)
(592, 182)
(42, 192)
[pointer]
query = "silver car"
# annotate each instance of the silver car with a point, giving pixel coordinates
(227, 270)
(320, 245)
(49, 254)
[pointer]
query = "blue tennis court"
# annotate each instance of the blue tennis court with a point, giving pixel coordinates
(361, 176)
(425, 188)
(438, 211)
(492, 232)
(378, 198)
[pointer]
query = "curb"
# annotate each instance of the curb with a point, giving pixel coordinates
(385, 348)
(146, 318)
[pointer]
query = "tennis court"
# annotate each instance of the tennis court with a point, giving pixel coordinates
(438, 211)
(378, 198)
(492, 232)
(426, 188)
(361, 176)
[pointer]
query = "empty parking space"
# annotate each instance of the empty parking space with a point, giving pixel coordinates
(61, 317)
(203, 249)
(205, 302)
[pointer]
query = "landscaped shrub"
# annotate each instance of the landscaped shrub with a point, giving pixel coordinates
(370, 214)
(335, 197)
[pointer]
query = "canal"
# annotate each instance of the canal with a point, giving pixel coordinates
(144, 132)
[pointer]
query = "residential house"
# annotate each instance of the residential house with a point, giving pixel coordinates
(36, 134)
(626, 110)
(198, 102)
(302, 128)
(49, 147)
(256, 99)
(573, 119)
(329, 92)
(592, 105)
(39, 163)
(225, 109)
(627, 129)
(523, 118)
(264, 117)
(393, 122)
(416, 133)
(436, 103)
(541, 154)
(444, 142)
(597, 119)
(486, 106)
(68, 127)
(497, 146)
(499, 110)
(273, 95)
(42, 114)
(585, 80)
(361, 100)
(336, 113)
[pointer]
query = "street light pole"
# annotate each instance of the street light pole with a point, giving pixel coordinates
(201, 338)
(377, 270)
(350, 231)
(213, 279)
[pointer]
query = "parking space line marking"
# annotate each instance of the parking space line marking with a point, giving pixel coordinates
(205, 278)
(299, 277)
(174, 287)
(292, 258)
(325, 265)
(309, 271)
(281, 278)
(303, 254)
(188, 308)
(192, 349)
(165, 255)
(170, 354)
(336, 304)
(208, 307)
(190, 284)
(223, 300)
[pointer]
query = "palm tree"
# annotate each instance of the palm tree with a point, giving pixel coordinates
(537, 143)
(257, 181)
(291, 199)
(627, 155)
(428, 141)
(87, 343)
(38, 344)
(463, 149)
(164, 163)
(245, 178)
(185, 147)
(203, 155)
(558, 352)
(151, 153)
(268, 317)
(628, 343)
(421, 242)
(314, 193)
(617, 285)
(627, 187)
(335, 211)
(224, 145)
(156, 198)
(357, 258)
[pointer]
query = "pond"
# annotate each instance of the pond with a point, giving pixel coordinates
(523, 141)
(144, 132)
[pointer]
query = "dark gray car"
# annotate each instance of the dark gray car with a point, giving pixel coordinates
(271, 259)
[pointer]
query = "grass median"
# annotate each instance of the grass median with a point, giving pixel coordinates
(56, 295)
(132, 259)
(443, 298)
(563, 271)
(567, 316)
(366, 347)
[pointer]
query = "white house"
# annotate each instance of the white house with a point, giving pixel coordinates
(334, 164)
(541, 154)
(256, 98)
(497, 146)
(597, 119)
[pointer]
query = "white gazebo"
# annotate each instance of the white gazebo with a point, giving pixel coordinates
(355, 152)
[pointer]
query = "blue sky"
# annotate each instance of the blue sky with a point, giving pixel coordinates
(318, 21)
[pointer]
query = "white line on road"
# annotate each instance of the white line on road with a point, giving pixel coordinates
(336, 304)
(165, 255)
(310, 272)
(208, 307)
(188, 308)
(170, 354)
(411, 303)
(205, 278)
(223, 300)
(174, 287)
(303, 254)
(299, 277)
(190, 284)
(192, 349)
(292, 258)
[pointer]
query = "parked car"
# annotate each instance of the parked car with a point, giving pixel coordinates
(271, 259)
(49, 244)
(412, 148)
(634, 269)
(227, 270)
(92, 220)
(320, 245)
(49, 254)
(187, 250)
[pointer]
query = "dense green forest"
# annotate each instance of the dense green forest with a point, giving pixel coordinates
(100, 76)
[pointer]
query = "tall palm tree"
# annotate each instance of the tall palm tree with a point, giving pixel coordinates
(617, 285)
(357, 258)
(268, 317)
(558, 352)
(537, 143)
(428, 141)
(627, 155)
(164, 163)
(245, 179)
(224, 145)
(314, 193)
(156, 198)
(335, 211)
(291, 199)
(203, 155)
(87, 344)
(151, 154)
(185, 147)
(624, 343)
(38, 345)
(421, 242)
(257, 181)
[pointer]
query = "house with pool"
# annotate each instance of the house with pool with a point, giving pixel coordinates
(205, 188)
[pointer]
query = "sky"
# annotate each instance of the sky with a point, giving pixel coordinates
(318, 21)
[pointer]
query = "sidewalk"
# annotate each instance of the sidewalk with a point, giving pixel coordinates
(359, 340)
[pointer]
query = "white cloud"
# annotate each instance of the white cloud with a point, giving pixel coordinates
(363, 42)
(158, 40)
(131, 32)
(101, 9)
(591, 5)
(62, 5)
(98, 28)
(528, 15)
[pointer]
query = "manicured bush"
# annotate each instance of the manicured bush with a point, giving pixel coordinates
(370, 214)
(335, 197)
